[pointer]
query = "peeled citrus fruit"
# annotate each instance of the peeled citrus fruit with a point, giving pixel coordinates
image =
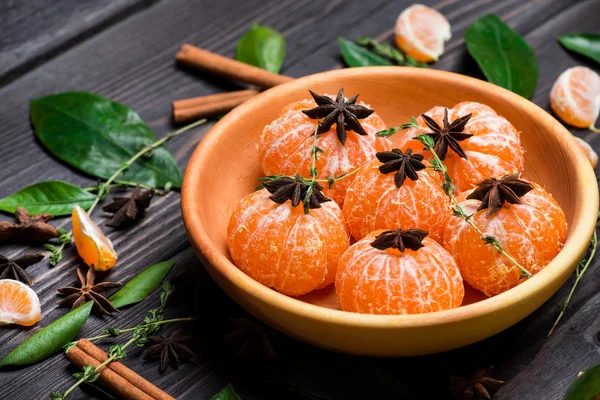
(493, 150)
(421, 32)
(18, 304)
(532, 233)
(575, 97)
(282, 247)
(285, 147)
(374, 281)
(589, 152)
(92, 245)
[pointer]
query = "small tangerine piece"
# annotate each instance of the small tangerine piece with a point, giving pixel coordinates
(93, 246)
(589, 152)
(575, 97)
(18, 304)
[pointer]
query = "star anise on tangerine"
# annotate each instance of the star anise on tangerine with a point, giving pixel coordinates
(344, 113)
(172, 350)
(400, 239)
(15, 268)
(404, 164)
(494, 192)
(449, 135)
(127, 210)
(481, 386)
(87, 291)
(296, 189)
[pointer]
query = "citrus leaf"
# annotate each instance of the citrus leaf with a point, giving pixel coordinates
(357, 56)
(503, 55)
(52, 197)
(262, 47)
(226, 394)
(97, 135)
(586, 386)
(50, 339)
(142, 285)
(587, 44)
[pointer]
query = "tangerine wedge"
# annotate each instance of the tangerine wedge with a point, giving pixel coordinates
(93, 246)
(18, 304)
(575, 97)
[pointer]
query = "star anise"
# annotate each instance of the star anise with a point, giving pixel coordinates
(250, 337)
(493, 192)
(400, 239)
(295, 189)
(27, 228)
(449, 135)
(344, 113)
(89, 291)
(172, 350)
(481, 386)
(407, 164)
(14, 269)
(127, 210)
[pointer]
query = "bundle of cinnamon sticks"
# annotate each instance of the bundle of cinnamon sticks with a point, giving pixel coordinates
(115, 376)
(206, 106)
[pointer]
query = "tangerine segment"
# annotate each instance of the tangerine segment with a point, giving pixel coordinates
(18, 304)
(575, 97)
(493, 150)
(285, 147)
(589, 152)
(421, 32)
(373, 281)
(93, 246)
(374, 202)
(282, 248)
(532, 232)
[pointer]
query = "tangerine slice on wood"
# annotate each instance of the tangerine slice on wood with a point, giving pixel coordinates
(93, 246)
(18, 304)
(575, 97)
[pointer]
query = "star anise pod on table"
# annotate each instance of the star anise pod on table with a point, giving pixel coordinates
(27, 228)
(400, 239)
(14, 268)
(172, 350)
(449, 135)
(87, 291)
(127, 210)
(494, 192)
(296, 190)
(406, 164)
(481, 386)
(251, 337)
(344, 113)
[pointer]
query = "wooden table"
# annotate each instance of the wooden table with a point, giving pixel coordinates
(124, 50)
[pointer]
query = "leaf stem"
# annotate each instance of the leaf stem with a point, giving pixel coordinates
(167, 321)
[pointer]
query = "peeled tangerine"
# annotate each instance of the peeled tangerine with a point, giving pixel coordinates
(282, 247)
(93, 246)
(575, 97)
(398, 272)
(18, 304)
(421, 33)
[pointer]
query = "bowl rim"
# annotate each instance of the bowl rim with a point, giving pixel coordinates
(574, 248)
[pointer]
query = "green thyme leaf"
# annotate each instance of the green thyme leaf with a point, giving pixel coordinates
(357, 56)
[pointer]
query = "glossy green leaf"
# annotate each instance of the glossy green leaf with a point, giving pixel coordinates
(97, 135)
(142, 285)
(586, 386)
(357, 56)
(262, 47)
(503, 55)
(587, 44)
(50, 339)
(226, 394)
(52, 197)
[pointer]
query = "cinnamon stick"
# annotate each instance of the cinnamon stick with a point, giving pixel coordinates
(207, 106)
(229, 68)
(213, 98)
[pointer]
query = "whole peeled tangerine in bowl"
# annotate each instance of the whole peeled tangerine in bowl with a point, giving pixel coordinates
(419, 219)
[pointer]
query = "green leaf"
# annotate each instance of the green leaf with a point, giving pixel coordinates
(142, 285)
(503, 55)
(97, 135)
(50, 339)
(587, 44)
(226, 394)
(262, 47)
(586, 386)
(357, 56)
(52, 197)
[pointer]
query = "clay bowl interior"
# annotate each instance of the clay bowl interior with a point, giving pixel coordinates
(225, 168)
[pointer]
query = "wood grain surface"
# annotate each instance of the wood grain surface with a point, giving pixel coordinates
(124, 50)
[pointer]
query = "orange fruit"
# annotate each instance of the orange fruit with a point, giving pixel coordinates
(374, 202)
(92, 245)
(374, 281)
(283, 248)
(575, 97)
(532, 233)
(421, 33)
(589, 152)
(493, 150)
(285, 147)
(18, 304)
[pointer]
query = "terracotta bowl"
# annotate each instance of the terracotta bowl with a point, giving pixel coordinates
(225, 166)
